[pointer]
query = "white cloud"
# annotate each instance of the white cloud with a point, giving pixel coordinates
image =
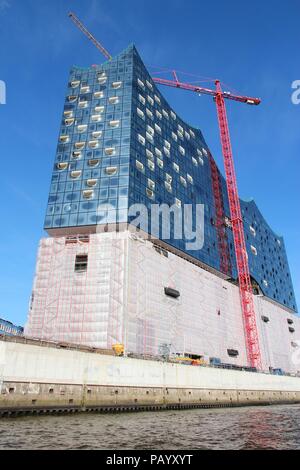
(4, 5)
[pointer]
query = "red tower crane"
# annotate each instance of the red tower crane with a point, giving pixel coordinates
(245, 286)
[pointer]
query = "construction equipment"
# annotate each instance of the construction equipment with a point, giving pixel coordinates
(245, 286)
(90, 36)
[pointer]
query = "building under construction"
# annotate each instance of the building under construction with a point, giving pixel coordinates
(100, 282)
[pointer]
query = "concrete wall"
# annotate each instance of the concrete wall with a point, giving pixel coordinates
(39, 377)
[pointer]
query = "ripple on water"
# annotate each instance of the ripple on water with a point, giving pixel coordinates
(226, 428)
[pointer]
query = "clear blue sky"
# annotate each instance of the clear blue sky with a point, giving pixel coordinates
(252, 46)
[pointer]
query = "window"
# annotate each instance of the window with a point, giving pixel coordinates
(149, 85)
(62, 165)
(69, 121)
(97, 134)
(82, 128)
(183, 181)
(93, 162)
(84, 89)
(81, 262)
(98, 94)
(139, 165)
(150, 193)
(140, 83)
(149, 137)
(173, 115)
(167, 144)
(168, 178)
(158, 152)
(149, 113)
(158, 114)
(151, 165)
(167, 151)
(252, 230)
(165, 114)
(68, 114)
(79, 145)
(149, 154)
(116, 85)
(265, 283)
(174, 136)
(181, 150)
(111, 170)
(75, 83)
(64, 139)
(75, 174)
(189, 178)
(99, 109)
(176, 167)
(113, 100)
(177, 202)
(88, 193)
(157, 128)
(254, 250)
(72, 98)
(142, 99)
(150, 100)
(201, 161)
(114, 123)
(204, 152)
(160, 163)
(168, 186)
(157, 99)
(150, 130)
(91, 182)
(109, 150)
(151, 184)
(93, 144)
(96, 117)
(192, 134)
(232, 352)
(194, 161)
(141, 139)
(102, 79)
(76, 155)
(140, 113)
(180, 129)
(82, 104)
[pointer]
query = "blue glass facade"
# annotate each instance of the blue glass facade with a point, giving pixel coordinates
(9, 329)
(120, 143)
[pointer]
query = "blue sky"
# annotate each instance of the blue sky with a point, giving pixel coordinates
(251, 46)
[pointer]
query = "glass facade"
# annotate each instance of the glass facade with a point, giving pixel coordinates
(9, 329)
(120, 144)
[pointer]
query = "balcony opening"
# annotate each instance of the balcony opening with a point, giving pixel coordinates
(81, 263)
(93, 162)
(111, 170)
(62, 165)
(88, 194)
(91, 182)
(75, 174)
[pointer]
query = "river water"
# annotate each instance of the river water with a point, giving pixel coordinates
(270, 427)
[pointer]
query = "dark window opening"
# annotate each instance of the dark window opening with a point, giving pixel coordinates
(232, 352)
(81, 262)
(265, 319)
(172, 292)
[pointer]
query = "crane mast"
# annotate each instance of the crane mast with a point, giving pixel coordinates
(245, 286)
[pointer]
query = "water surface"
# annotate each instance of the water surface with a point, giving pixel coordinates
(270, 427)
